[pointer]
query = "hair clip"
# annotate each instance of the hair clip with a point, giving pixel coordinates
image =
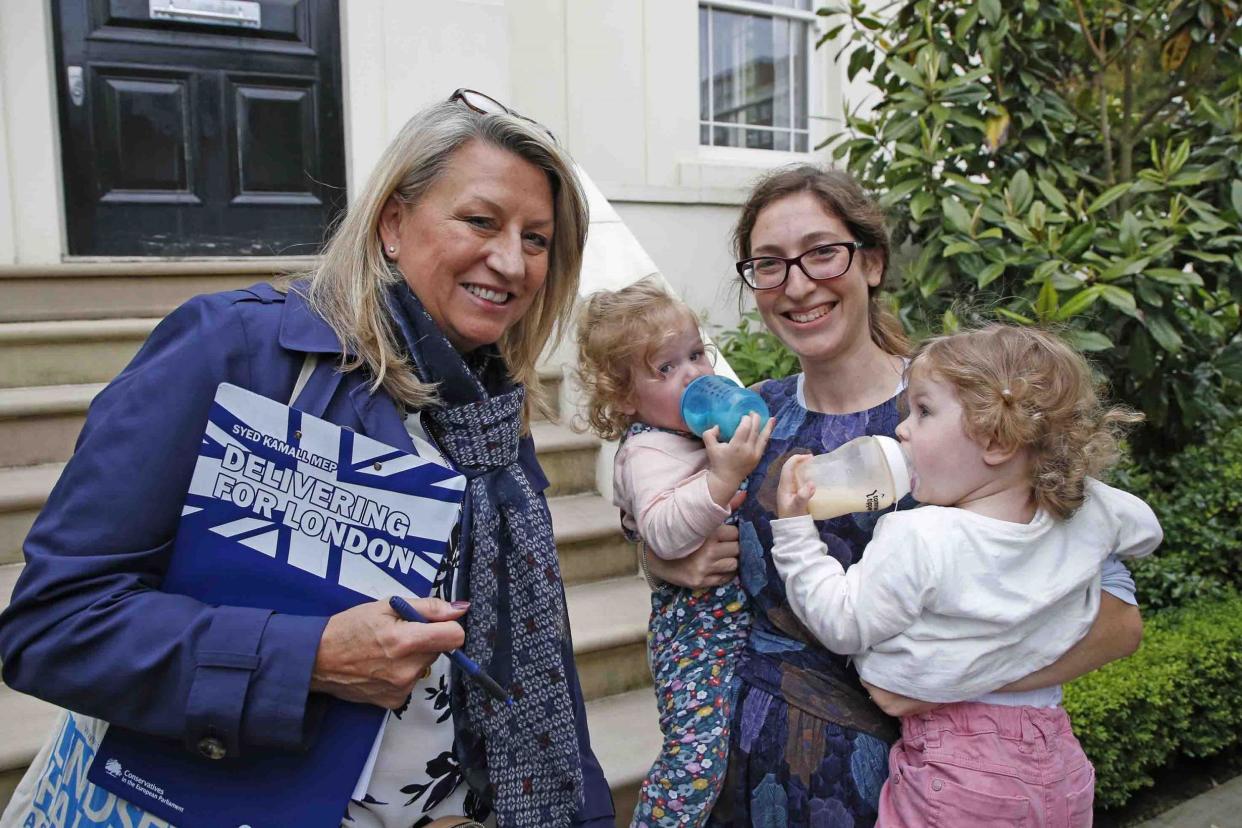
(1007, 395)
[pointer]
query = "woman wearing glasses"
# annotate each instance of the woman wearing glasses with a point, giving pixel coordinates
(809, 746)
(421, 325)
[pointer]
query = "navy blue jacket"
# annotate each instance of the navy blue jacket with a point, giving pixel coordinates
(88, 628)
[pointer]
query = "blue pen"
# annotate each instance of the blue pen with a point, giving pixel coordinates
(466, 663)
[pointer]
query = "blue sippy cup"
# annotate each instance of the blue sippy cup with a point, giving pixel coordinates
(719, 401)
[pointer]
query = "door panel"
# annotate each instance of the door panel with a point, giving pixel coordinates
(198, 137)
(143, 136)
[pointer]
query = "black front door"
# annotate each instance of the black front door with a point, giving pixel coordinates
(199, 127)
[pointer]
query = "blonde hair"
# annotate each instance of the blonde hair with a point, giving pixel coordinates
(618, 331)
(840, 194)
(1025, 388)
(349, 285)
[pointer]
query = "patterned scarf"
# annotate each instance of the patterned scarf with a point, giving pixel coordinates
(517, 628)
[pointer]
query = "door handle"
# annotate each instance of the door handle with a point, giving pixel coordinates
(77, 86)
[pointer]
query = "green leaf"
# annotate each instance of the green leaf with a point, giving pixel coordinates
(949, 322)
(1045, 270)
(1109, 196)
(956, 215)
(1235, 195)
(1088, 340)
(1038, 215)
(1078, 303)
(1172, 276)
(1038, 144)
(1046, 303)
(1014, 317)
(1078, 240)
(1055, 197)
(1162, 330)
(920, 204)
(905, 71)
(1020, 192)
(967, 21)
(899, 191)
(990, 274)
(1131, 231)
(960, 247)
(1119, 298)
(991, 10)
(1205, 256)
(1229, 362)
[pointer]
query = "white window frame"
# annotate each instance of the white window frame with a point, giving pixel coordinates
(811, 81)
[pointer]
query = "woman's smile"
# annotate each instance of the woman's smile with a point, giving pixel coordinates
(810, 315)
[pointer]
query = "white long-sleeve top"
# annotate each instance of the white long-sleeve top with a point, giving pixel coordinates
(659, 481)
(947, 605)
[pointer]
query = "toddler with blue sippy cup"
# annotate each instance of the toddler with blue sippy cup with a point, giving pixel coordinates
(639, 349)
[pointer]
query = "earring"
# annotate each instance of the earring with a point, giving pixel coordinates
(392, 248)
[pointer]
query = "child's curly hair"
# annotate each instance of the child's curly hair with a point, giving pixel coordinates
(618, 331)
(1026, 388)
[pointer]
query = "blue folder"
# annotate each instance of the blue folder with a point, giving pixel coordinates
(292, 513)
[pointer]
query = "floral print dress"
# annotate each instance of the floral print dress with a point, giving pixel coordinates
(807, 745)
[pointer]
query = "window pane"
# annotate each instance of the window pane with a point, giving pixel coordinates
(705, 70)
(754, 74)
(800, 143)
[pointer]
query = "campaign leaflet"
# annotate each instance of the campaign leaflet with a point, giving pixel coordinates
(292, 513)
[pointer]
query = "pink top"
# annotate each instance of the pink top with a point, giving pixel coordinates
(659, 480)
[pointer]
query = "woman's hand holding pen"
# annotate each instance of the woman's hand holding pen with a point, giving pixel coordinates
(368, 654)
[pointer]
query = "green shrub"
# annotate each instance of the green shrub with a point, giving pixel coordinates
(754, 353)
(1197, 494)
(1180, 694)
(1077, 164)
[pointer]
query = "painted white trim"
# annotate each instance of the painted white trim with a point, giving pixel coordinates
(745, 7)
(32, 140)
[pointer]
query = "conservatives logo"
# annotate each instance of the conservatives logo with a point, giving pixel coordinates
(113, 767)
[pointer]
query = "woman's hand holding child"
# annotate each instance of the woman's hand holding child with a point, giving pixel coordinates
(729, 464)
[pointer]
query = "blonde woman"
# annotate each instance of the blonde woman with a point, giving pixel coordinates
(422, 324)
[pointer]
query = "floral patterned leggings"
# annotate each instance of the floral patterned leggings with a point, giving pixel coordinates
(693, 641)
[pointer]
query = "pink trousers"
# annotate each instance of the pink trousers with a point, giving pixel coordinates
(972, 764)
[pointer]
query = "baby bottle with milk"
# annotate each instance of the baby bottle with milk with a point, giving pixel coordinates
(864, 475)
(711, 400)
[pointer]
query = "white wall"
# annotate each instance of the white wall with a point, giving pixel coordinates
(31, 218)
(690, 246)
(615, 80)
(399, 56)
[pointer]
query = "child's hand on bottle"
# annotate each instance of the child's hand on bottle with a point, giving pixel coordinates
(728, 464)
(792, 499)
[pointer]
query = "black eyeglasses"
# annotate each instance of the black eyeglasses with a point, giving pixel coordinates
(823, 261)
(487, 105)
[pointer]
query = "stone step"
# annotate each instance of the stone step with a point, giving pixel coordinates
(568, 458)
(23, 492)
(40, 424)
(118, 290)
(625, 734)
(589, 540)
(70, 351)
(608, 620)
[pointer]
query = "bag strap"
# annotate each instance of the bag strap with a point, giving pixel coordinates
(308, 368)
